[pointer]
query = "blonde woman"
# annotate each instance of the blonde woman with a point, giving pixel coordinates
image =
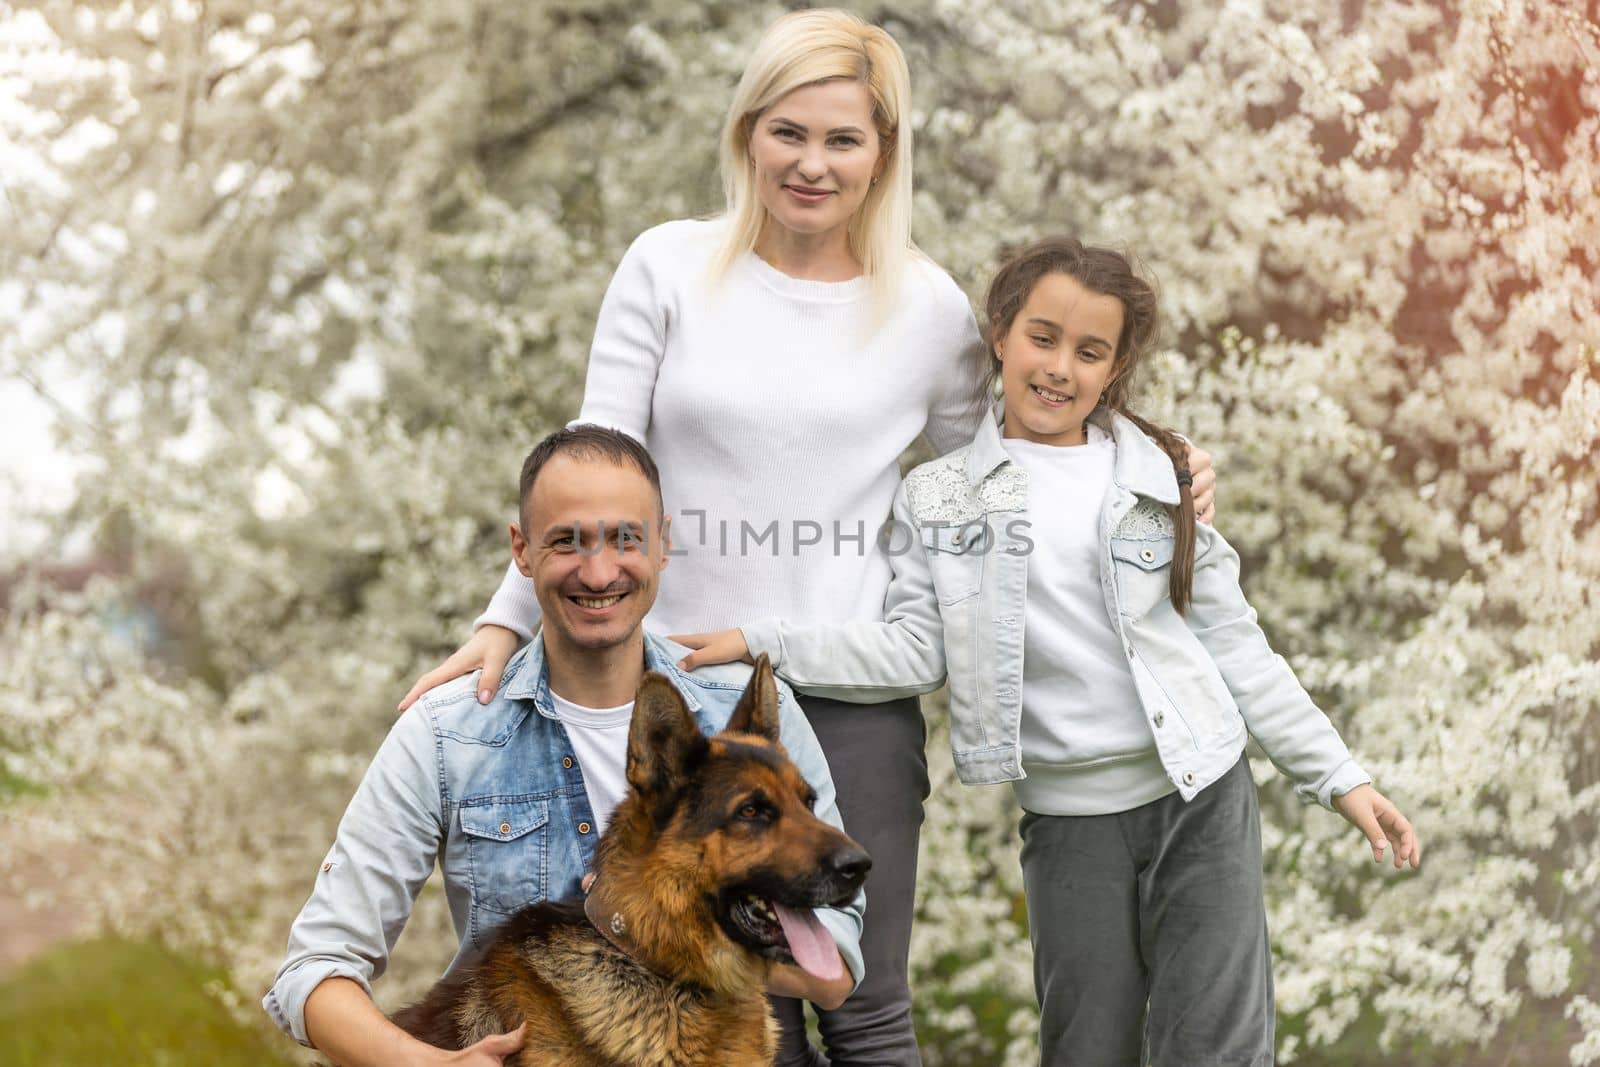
(777, 360)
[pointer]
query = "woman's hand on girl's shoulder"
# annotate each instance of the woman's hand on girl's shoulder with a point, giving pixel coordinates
(1204, 489)
(723, 646)
(490, 648)
(1376, 816)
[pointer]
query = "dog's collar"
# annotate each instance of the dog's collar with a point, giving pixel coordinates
(606, 918)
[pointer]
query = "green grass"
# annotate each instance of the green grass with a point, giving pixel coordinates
(133, 1004)
(13, 786)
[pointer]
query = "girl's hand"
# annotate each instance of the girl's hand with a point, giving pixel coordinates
(1372, 813)
(490, 648)
(724, 646)
(1204, 489)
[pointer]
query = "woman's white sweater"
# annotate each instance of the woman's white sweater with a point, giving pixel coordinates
(777, 410)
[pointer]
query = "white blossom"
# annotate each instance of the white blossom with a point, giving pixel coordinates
(332, 267)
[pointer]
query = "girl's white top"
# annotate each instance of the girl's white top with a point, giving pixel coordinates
(1085, 743)
(777, 410)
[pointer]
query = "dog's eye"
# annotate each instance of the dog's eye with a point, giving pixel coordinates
(756, 811)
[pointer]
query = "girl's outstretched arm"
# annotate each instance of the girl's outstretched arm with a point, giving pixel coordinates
(861, 662)
(1278, 712)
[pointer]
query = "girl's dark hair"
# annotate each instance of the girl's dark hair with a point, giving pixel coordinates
(1111, 273)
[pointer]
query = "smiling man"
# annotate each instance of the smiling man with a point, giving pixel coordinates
(510, 798)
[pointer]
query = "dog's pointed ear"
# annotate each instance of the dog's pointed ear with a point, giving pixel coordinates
(664, 742)
(757, 711)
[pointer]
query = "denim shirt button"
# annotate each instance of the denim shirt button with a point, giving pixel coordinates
(505, 828)
(583, 828)
(566, 761)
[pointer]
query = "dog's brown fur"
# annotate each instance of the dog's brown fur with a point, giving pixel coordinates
(704, 821)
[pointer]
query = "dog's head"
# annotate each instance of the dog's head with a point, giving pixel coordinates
(723, 826)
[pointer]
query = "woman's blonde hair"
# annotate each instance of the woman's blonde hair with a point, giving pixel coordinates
(803, 48)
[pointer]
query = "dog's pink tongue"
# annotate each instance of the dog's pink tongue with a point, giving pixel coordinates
(810, 942)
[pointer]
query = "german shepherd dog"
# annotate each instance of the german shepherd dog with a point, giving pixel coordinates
(708, 874)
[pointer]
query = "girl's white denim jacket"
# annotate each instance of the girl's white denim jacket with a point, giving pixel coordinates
(960, 544)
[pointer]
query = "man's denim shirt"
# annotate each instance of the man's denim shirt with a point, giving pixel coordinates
(494, 795)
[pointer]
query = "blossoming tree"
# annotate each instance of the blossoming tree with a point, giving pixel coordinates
(329, 268)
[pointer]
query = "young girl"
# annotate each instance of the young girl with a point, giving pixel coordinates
(1101, 658)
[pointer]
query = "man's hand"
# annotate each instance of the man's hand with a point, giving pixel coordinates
(491, 1051)
(490, 648)
(723, 646)
(787, 980)
(345, 1025)
(1375, 816)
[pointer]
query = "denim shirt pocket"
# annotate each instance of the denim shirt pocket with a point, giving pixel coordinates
(1144, 574)
(955, 558)
(507, 847)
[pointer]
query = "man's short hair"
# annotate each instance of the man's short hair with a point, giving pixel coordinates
(585, 441)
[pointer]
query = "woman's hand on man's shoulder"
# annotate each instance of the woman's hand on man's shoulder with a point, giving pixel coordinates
(491, 648)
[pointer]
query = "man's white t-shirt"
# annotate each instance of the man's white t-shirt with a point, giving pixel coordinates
(599, 739)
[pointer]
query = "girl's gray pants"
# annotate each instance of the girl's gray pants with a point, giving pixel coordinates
(1149, 932)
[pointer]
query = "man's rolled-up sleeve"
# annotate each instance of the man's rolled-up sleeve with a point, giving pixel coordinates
(386, 847)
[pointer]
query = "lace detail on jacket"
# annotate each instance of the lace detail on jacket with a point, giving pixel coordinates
(938, 492)
(1148, 520)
